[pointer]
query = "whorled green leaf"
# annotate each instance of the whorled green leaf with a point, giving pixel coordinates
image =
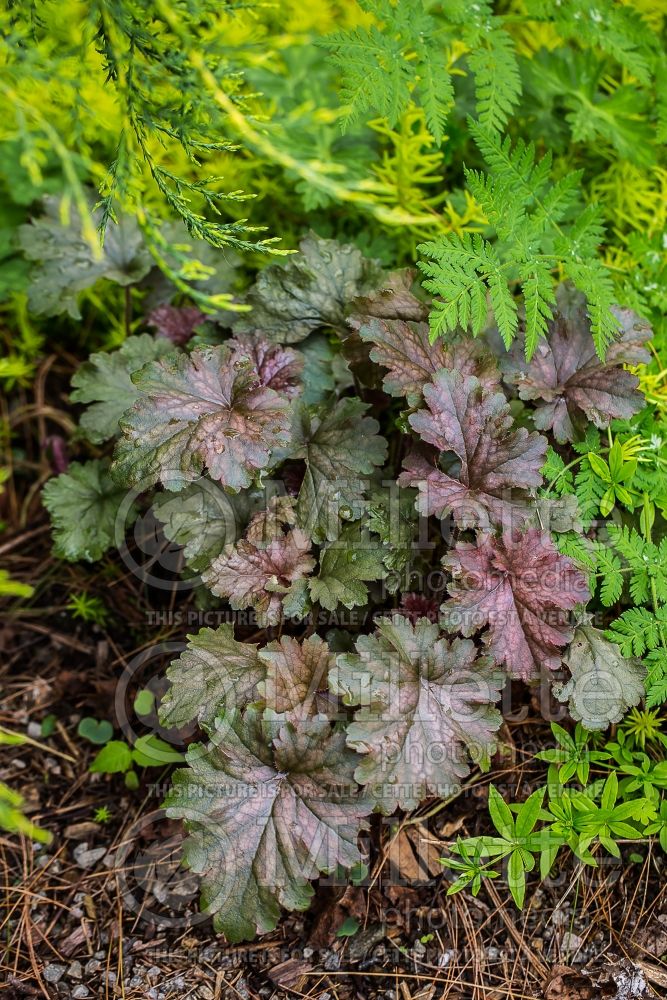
(603, 683)
(84, 503)
(309, 290)
(426, 706)
(268, 805)
(346, 565)
(207, 410)
(67, 262)
(212, 677)
(105, 382)
(341, 449)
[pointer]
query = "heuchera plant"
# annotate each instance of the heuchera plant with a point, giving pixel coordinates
(321, 464)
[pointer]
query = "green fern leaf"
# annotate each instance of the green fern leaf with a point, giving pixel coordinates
(638, 630)
(611, 586)
(539, 296)
(497, 79)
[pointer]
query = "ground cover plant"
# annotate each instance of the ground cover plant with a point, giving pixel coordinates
(353, 451)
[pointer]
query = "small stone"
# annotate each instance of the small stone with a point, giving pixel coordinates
(87, 858)
(331, 961)
(80, 992)
(75, 971)
(571, 942)
(53, 972)
(92, 966)
(34, 730)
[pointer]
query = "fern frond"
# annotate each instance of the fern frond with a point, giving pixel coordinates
(538, 296)
(581, 550)
(384, 64)
(558, 478)
(593, 279)
(497, 79)
(436, 92)
(464, 267)
(514, 167)
(656, 678)
(611, 585)
(637, 630)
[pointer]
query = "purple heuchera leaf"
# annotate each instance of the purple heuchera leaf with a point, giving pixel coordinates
(203, 410)
(296, 675)
(260, 570)
(567, 377)
(393, 298)
(214, 675)
(404, 348)
(476, 424)
(426, 703)
(522, 588)
(176, 323)
(268, 806)
(279, 368)
(341, 448)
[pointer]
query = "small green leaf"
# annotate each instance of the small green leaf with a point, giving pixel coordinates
(500, 814)
(600, 467)
(115, 757)
(151, 751)
(358, 873)
(94, 730)
(516, 878)
(7, 738)
(132, 781)
(348, 928)
(48, 725)
(529, 812)
(144, 702)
